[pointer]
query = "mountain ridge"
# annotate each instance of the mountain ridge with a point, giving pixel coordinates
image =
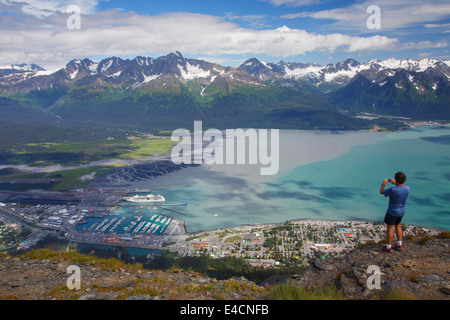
(171, 91)
(146, 69)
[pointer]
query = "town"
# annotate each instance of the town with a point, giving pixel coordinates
(24, 221)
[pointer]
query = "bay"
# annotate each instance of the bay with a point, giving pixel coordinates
(323, 175)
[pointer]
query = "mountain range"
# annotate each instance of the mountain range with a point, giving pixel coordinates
(171, 91)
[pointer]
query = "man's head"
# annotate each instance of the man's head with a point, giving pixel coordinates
(400, 177)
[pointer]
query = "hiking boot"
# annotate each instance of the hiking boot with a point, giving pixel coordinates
(384, 249)
(398, 247)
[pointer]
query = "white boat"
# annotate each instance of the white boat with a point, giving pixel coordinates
(148, 198)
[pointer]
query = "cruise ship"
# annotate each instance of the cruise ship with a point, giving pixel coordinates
(148, 198)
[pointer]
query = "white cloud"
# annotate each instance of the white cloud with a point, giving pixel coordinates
(394, 14)
(293, 3)
(256, 21)
(112, 33)
(431, 25)
(45, 8)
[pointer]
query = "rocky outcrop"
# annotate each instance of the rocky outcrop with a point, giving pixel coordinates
(421, 270)
(34, 279)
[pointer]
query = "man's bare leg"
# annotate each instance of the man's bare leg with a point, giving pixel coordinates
(389, 234)
(399, 232)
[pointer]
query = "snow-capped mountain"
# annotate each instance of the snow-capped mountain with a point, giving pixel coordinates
(341, 73)
(23, 67)
(141, 71)
(13, 74)
(408, 87)
(174, 68)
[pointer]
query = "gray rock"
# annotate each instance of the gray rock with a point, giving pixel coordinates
(445, 289)
(348, 286)
(396, 284)
(142, 297)
(87, 297)
(322, 266)
(430, 278)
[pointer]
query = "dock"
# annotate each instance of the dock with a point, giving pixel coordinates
(151, 190)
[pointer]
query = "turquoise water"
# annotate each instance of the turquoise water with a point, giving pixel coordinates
(323, 175)
(348, 187)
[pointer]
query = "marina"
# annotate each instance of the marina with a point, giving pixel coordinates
(132, 220)
(137, 225)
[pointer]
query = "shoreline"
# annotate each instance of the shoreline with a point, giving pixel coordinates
(310, 220)
(164, 157)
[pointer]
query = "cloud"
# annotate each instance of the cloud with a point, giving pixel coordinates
(49, 43)
(45, 8)
(126, 33)
(292, 3)
(394, 14)
(431, 25)
(255, 21)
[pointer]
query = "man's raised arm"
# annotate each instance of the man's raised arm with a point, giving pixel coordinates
(383, 185)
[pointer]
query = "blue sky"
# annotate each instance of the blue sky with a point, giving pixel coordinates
(226, 32)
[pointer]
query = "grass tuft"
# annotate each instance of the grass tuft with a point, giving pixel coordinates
(399, 294)
(290, 292)
(444, 235)
(424, 238)
(110, 264)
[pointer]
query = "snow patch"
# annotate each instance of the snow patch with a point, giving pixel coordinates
(147, 79)
(302, 72)
(266, 65)
(106, 66)
(193, 72)
(44, 73)
(409, 64)
(93, 67)
(115, 75)
(73, 74)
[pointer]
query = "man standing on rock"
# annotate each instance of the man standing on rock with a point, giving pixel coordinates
(396, 210)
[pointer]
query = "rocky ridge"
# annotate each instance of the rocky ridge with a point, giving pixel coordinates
(37, 279)
(421, 271)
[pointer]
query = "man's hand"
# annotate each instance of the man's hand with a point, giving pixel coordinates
(385, 181)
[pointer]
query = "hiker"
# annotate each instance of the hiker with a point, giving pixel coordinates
(396, 210)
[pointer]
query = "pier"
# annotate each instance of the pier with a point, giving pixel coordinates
(151, 190)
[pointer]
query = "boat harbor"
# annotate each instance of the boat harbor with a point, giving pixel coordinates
(117, 224)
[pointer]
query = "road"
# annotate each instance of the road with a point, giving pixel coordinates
(19, 220)
(305, 252)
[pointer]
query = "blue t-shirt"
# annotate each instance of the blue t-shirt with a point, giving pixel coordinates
(397, 200)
